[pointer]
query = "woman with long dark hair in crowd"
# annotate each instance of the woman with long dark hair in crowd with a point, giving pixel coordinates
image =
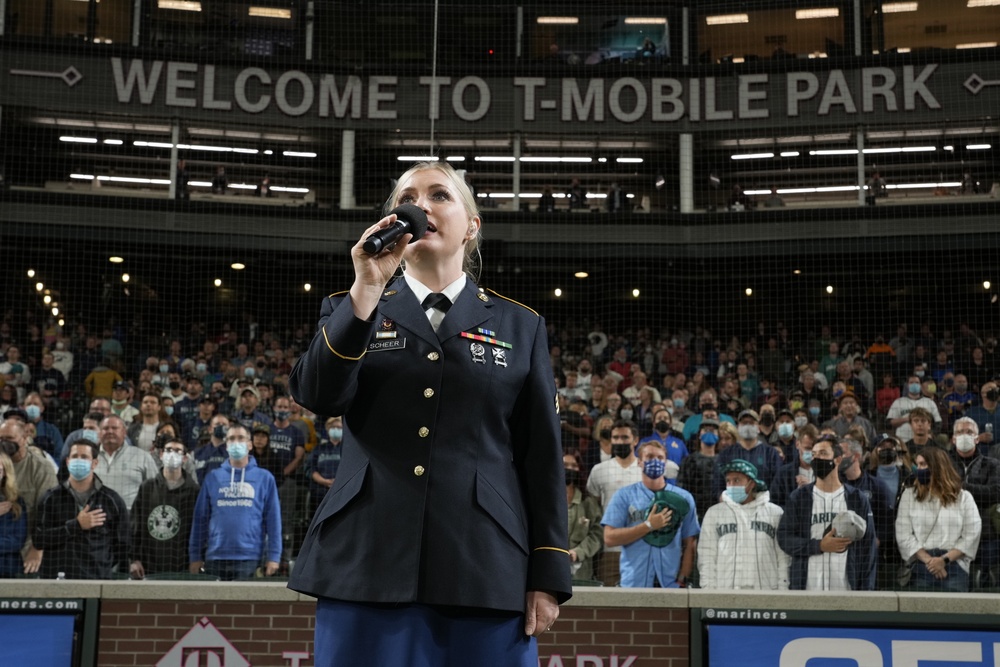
(937, 525)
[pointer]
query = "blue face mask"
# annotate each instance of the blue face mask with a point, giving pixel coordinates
(164, 368)
(807, 457)
(678, 402)
(201, 368)
(33, 411)
(914, 387)
(814, 411)
(78, 468)
(249, 372)
(169, 409)
(654, 468)
(738, 494)
(282, 415)
(237, 450)
(786, 430)
(710, 439)
(922, 475)
(336, 434)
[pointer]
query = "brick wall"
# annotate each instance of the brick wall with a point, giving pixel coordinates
(141, 632)
(659, 637)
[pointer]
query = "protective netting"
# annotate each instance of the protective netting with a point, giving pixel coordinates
(724, 198)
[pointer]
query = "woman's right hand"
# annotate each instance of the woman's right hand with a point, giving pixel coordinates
(372, 272)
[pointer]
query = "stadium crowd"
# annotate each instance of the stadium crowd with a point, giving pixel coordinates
(691, 460)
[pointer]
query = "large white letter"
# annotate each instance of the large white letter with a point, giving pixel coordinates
(913, 87)
(328, 94)
(796, 94)
(572, 103)
(747, 96)
(240, 90)
(376, 96)
(175, 83)
(281, 95)
(614, 99)
(529, 83)
(458, 102)
(836, 92)
(798, 652)
(208, 100)
(885, 90)
(912, 653)
(673, 98)
(136, 73)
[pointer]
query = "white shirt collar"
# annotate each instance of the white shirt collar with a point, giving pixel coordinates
(421, 291)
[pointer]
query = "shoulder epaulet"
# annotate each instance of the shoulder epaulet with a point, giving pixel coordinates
(512, 301)
(338, 293)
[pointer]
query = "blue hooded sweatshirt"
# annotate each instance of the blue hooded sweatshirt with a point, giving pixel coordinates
(236, 509)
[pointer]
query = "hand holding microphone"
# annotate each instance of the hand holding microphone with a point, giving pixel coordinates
(409, 220)
(376, 259)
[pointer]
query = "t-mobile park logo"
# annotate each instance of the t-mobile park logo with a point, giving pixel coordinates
(203, 646)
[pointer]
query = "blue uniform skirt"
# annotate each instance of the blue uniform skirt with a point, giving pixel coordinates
(415, 635)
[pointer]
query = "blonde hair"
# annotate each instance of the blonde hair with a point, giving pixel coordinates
(473, 261)
(9, 487)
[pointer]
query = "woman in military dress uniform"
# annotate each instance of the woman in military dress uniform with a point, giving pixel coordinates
(443, 540)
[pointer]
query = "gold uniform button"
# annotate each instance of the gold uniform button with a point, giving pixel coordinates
(483, 297)
(418, 471)
(428, 393)
(424, 431)
(433, 356)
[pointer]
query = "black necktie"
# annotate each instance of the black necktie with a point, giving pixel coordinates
(437, 300)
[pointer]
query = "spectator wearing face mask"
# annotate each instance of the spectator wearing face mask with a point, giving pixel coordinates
(676, 449)
(980, 476)
(83, 526)
(987, 416)
(938, 525)
(828, 530)
(656, 525)
(161, 515)
(237, 520)
(797, 470)
(749, 448)
(899, 414)
(210, 455)
(606, 478)
(738, 549)
(695, 475)
(783, 436)
(586, 536)
(324, 461)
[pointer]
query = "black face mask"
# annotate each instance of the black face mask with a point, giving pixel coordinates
(823, 467)
(767, 419)
(621, 450)
(605, 434)
(709, 406)
(175, 385)
(886, 456)
(661, 426)
(845, 465)
(572, 477)
(993, 395)
(8, 447)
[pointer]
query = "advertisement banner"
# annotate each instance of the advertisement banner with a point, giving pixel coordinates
(800, 646)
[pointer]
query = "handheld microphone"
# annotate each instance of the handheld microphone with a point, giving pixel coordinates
(409, 220)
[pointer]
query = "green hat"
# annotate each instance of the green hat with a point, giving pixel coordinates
(745, 468)
(679, 505)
